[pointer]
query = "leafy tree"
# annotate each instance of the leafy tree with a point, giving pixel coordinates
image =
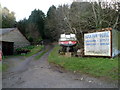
(22, 25)
(81, 17)
(64, 19)
(55, 22)
(51, 23)
(33, 27)
(8, 18)
(77, 18)
(37, 17)
(33, 33)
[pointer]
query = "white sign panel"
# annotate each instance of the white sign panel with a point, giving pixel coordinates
(97, 44)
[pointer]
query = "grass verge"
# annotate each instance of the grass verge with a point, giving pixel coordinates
(33, 50)
(40, 55)
(99, 67)
(3, 67)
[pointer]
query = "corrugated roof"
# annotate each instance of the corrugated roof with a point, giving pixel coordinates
(5, 30)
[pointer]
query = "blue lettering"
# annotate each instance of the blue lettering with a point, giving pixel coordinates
(104, 43)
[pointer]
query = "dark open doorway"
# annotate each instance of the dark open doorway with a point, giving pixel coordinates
(7, 48)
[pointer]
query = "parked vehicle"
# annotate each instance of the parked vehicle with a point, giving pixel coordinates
(67, 42)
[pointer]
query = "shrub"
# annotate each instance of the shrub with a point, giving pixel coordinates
(24, 49)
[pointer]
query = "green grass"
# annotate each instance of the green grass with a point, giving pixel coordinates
(40, 55)
(100, 67)
(34, 50)
(3, 67)
(26, 48)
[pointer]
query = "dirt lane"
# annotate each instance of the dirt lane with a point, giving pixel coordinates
(39, 74)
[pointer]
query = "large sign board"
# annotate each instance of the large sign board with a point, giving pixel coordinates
(97, 44)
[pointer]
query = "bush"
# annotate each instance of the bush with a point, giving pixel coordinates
(24, 49)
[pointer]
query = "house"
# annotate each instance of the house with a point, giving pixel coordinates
(11, 39)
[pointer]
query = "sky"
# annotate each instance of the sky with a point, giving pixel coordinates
(23, 8)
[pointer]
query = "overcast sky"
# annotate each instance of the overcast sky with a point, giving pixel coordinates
(23, 8)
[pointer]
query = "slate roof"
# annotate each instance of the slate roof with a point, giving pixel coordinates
(6, 30)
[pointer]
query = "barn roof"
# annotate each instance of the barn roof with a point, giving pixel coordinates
(6, 30)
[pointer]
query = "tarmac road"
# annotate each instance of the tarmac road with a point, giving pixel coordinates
(30, 73)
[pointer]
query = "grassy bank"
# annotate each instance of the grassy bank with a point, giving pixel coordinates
(100, 67)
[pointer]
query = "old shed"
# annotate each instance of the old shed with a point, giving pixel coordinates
(11, 39)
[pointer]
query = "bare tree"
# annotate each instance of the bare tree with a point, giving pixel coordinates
(105, 14)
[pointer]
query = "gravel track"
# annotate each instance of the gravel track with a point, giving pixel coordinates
(30, 73)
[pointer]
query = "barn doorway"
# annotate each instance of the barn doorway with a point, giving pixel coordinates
(7, 48)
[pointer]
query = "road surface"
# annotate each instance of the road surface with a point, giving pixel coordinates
(30, 73)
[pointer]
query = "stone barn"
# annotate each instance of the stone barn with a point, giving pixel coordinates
(11, 39)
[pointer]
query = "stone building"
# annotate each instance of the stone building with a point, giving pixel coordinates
(11, 39)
